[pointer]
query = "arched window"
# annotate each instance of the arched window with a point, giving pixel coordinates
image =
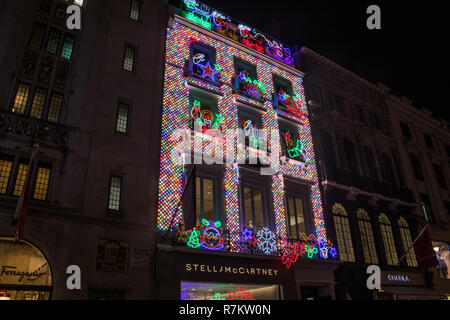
(343, 234)
(365, 228)
(407, 243)
(388, 239)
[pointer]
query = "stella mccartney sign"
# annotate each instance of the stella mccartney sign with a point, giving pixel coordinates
(192, 267)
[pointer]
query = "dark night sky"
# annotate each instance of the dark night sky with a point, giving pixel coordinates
(407, 54)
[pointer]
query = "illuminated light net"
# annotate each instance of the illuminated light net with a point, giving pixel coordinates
(176, 116)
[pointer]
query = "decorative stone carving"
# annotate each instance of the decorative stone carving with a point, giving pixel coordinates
(36, 129)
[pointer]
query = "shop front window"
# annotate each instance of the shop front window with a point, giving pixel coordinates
(442, 250)
(25, 273)
(229, 291)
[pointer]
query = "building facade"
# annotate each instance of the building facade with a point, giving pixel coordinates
(229, 228)
(370, 207)
(90, 99)
(423, 144)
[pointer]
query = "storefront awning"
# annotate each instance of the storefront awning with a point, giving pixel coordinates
(414, 293)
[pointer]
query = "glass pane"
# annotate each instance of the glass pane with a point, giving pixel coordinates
(21, 98)
(42, 181)
(248, 207)
(38, 103)
(54, 108)
(5, 172)
(128, 62)
(300, 215)
(37, 36)
(292, 222)
(208, 213)
(67, 49)
(208, 189)
(122, 118)
(20, 179)
(53, 41)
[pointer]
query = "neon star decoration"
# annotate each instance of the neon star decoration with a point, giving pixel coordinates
(208, 71)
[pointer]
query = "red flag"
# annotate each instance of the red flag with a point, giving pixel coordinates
(426, 257)
(22, 203)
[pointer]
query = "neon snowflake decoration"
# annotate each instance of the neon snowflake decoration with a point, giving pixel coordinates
(267, 241)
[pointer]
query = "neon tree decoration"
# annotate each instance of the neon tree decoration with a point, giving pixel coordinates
(211, 238)
(267, 241)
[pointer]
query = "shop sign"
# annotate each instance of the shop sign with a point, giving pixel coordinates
(192, 267)
(22, 264)
(398, 277)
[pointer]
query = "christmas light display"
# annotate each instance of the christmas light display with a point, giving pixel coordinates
(205, 16)
(176, 114)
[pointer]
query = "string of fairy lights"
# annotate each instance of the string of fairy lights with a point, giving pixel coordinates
(176, 115)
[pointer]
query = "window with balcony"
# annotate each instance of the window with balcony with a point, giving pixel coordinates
(129, 58)
(202, 62)
(13, 172)
(204, 113)
(251, 123)
(388, 240)
(295, 214)
(343, 233)
(205, 199)
(291, 145)
(246, 80)
(254, 213)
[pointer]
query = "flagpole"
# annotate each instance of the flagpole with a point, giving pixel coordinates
(19, 206)
(412, 245)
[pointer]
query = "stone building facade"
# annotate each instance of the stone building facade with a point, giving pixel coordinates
(369, 205)
(91, 99)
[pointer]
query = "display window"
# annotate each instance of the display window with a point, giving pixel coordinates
(229, 291)
(24, 272)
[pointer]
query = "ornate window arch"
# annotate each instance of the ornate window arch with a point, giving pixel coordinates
(388, 239)
(368, 243)
(407, 242)
(343, 233)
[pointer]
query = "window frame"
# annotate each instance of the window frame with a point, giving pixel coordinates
(387, 237)
(110, 210)
(345, 255)
(216, 213)
(367, 236)
(133, 47)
